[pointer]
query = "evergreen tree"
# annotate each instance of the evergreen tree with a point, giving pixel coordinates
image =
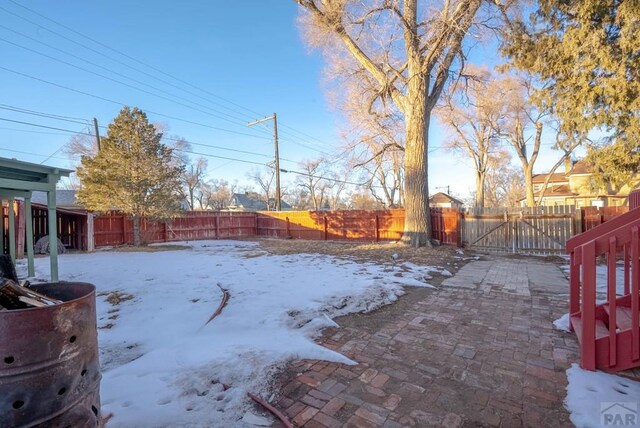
(589, 54)
(133, 172)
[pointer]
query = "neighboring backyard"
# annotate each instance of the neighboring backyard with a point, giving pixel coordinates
(448, 339)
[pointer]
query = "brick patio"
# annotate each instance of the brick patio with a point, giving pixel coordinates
(478, 351)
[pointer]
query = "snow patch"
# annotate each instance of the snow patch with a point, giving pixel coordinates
(562, 323)
(589, 394)
(163, 365)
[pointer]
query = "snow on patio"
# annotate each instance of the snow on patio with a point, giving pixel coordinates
(596, 399)
(164, 366)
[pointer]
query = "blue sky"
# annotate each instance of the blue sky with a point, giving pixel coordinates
(236, 61)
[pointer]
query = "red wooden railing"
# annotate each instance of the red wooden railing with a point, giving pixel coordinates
(608, 330)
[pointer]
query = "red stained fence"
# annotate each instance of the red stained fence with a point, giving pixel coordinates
(357, 225)
(117, 229)
(594, 216)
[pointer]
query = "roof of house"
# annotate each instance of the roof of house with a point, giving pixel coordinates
(253, 202)
(557, 177)
(64, 198)
(440, 198)
(581, 167)
(562, 190)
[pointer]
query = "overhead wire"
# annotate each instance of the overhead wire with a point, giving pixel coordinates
(71, 132)
(19, 73)
(149, 66)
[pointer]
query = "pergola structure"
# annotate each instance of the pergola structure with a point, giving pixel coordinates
(17, 180)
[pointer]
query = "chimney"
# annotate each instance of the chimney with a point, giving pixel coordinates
(568, 165)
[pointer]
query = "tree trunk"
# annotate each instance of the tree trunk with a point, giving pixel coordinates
(528, 185)
(480, 189)
(136, 231)
(417, 221)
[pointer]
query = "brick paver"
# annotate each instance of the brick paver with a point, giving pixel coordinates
(478, 351)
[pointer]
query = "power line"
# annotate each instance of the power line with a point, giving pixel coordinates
(142, 71)
(30, 131)
(39, 113)
(140, 82)
(123, 104)
(169, 139)
(31, 154)
(128, 57)
(124, 83)
(41, 126)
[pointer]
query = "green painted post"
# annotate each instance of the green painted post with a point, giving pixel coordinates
(12, 230)
(53, 232)
(29, 233)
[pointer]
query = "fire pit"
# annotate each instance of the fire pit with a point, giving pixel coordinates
(49, 370)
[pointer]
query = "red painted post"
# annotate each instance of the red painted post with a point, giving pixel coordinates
(635, 293)
(377, 228)
(588, 342)
(611, 297)
(627, 266)
(215, 225)
(574, 283)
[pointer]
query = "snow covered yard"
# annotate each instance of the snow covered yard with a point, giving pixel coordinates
(163, 365)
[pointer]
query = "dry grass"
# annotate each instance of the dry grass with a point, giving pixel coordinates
(115, 297)
(380, 252)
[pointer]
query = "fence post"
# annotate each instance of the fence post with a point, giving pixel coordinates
(377, 228)
(256, 216)
(288, 229)
(215, 225)
(326, 228)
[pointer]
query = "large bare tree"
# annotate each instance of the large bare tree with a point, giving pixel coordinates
(470, 111)
(408, 48)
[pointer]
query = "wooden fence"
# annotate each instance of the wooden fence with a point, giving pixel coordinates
(538, 230)
(117, 229)
(520, 230)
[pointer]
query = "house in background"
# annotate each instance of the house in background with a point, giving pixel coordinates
(251, 201)
(443, 200)
(574, 187)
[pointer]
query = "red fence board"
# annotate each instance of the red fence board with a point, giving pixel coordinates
(356, 225)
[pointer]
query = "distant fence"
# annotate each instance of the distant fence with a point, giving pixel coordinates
(532, 230)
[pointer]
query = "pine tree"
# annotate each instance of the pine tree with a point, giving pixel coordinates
(588, 53)
(133, 172)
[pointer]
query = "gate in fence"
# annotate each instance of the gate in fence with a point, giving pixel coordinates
(538, 230)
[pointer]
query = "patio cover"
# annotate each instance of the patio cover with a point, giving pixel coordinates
(17, 180)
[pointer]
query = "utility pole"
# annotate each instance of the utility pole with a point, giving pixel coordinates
(277, 163)
(95, 126)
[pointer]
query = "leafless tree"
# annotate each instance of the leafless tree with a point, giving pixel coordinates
(316, 181)
(504, 183)
(215, 194)
(471, 111)
(265, 179)
(192, 180)
(408, 49)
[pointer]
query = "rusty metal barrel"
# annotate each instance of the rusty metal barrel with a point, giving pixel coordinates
(49, 368)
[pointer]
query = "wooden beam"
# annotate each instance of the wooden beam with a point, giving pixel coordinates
(12, 185)
(12, 230)
(53, 234)
(8, 193)
(29, 232)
